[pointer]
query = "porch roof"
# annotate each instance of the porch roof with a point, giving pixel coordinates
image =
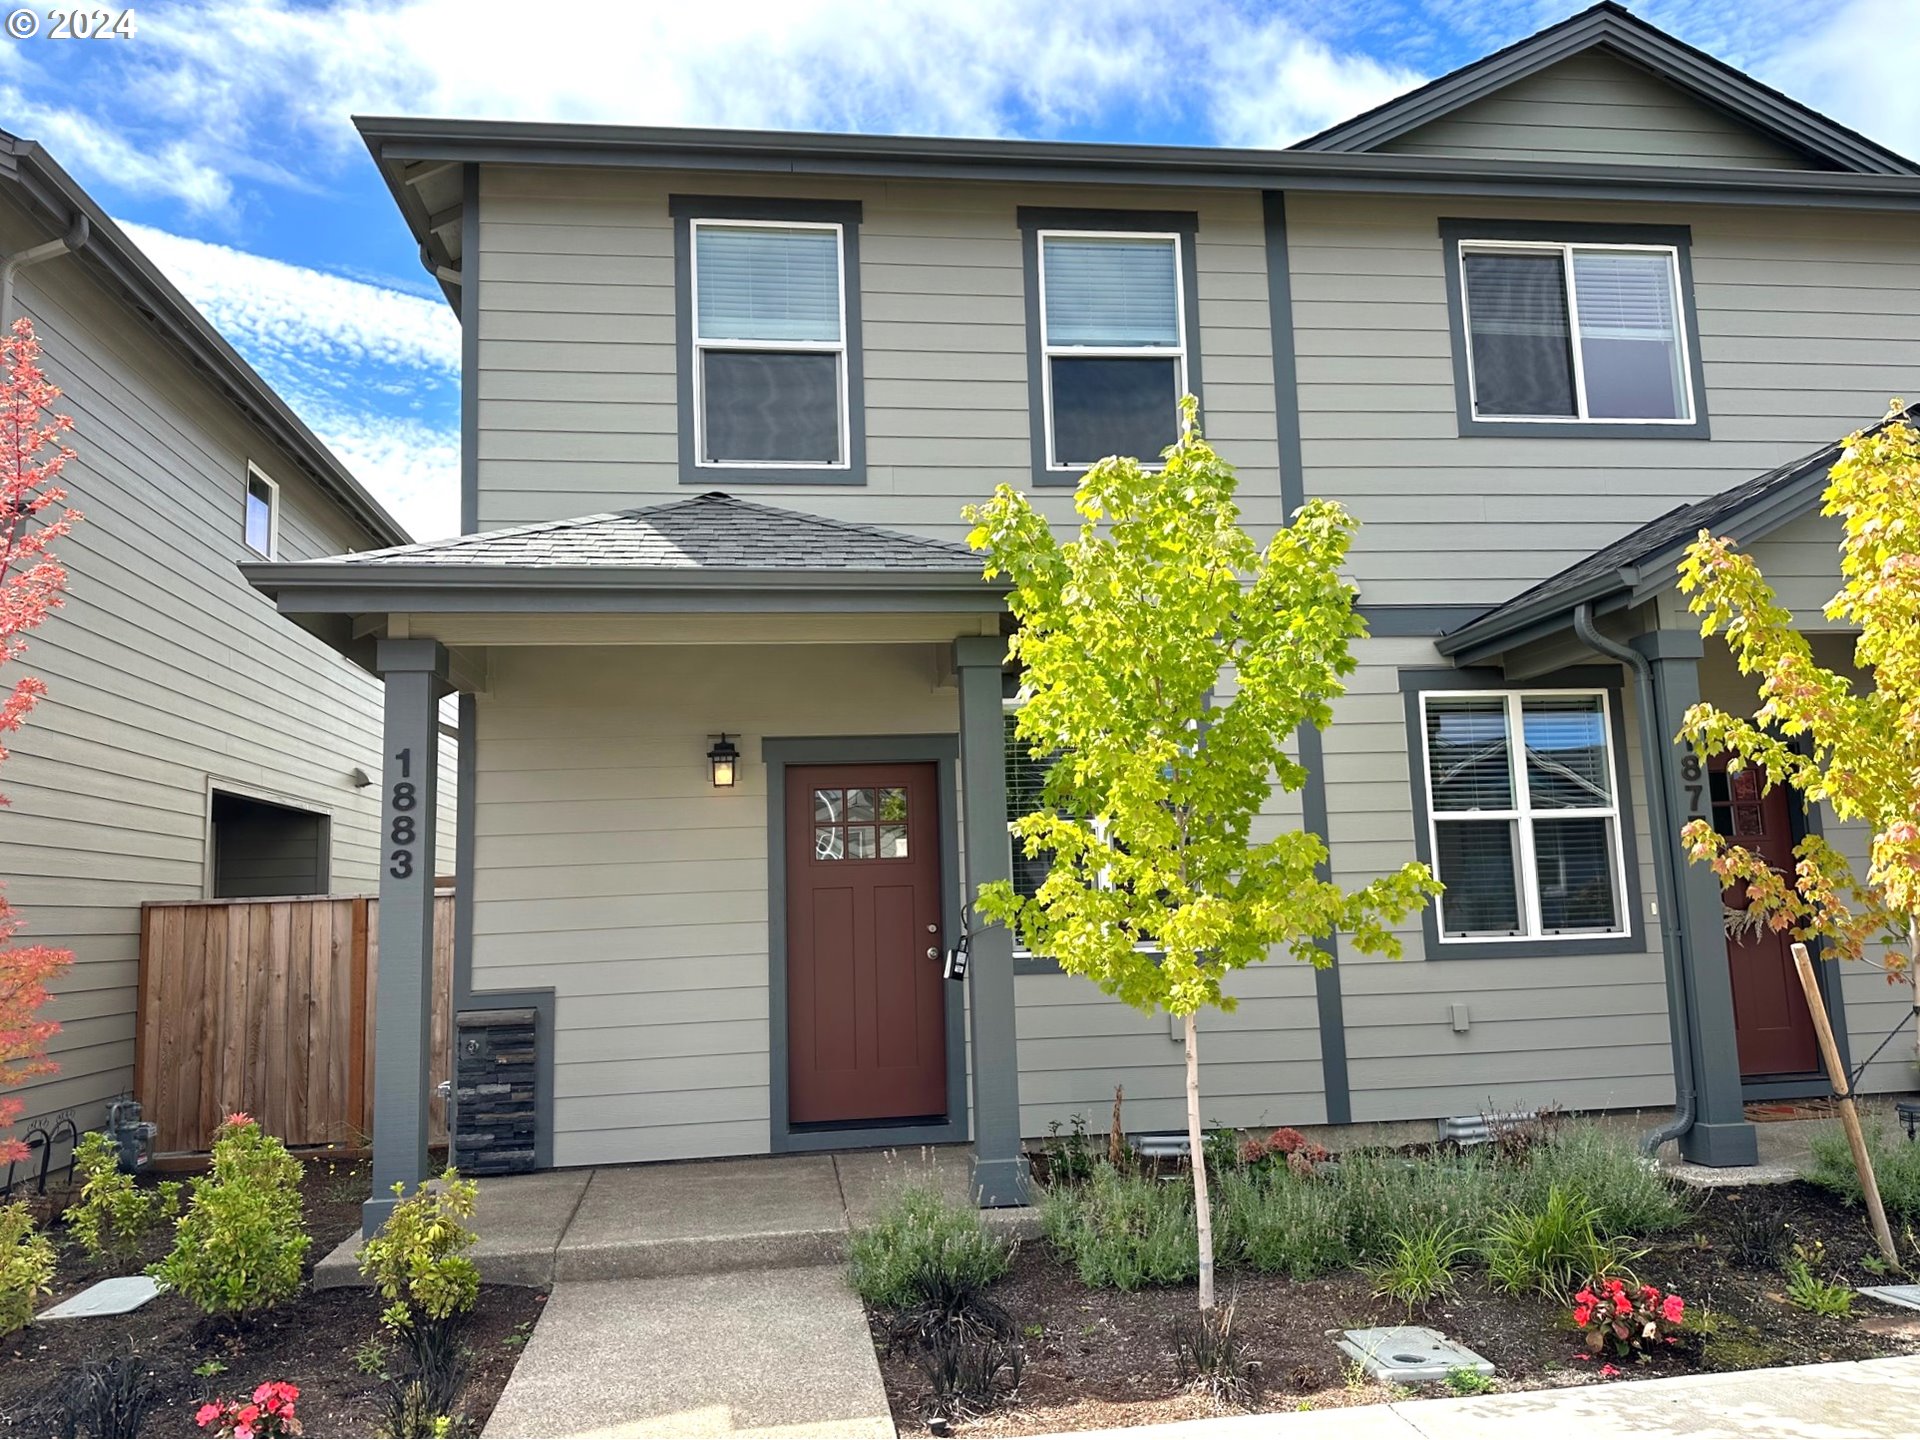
(1644, 561)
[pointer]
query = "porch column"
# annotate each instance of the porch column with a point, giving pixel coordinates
(1721, 1134)
(415, 674)
(999, 1169)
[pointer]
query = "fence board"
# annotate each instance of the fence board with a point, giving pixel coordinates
(267, 1006)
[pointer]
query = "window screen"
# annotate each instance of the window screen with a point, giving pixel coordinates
(1517, 321)
(770, 347)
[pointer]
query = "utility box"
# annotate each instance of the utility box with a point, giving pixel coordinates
(495, 1077)
(131, 1135)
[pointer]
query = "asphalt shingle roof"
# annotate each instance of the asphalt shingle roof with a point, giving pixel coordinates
(714, 531)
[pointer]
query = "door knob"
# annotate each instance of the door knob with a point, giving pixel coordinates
(933, 952)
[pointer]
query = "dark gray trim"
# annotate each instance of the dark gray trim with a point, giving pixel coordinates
(778, 753)
(1612, 27)
(1586, 677)
(150, 299)
(1411, 621)
(541, 1001)
(1329, 1002)
(684, 209)
(398, 143)
(1286, 369)
(1032, 219)
(1453, 232)
(470, 350)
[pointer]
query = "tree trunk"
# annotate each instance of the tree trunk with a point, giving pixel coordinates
(1202, 1209)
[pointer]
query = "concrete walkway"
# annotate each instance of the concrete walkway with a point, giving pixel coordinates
(699, 1217)
(1865, 1400)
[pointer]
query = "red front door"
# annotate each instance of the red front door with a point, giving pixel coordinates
(866, 1004)
(1771, 1023)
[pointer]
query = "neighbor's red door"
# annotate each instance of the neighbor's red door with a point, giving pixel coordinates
(1771, 1023)
(866, 1004)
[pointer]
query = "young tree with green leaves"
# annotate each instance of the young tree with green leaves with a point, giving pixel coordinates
(1167, 661)
(1852, 741)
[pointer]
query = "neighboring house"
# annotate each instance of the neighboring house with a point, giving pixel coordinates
(192, 743)
(728, 393)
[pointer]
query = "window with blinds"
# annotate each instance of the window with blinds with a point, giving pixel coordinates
(770, 364)
(1113, 342)
(1026, 779)
(1575, 332)
(1523, 814)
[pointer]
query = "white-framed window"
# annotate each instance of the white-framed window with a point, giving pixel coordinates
(1523, 814)
(1113, 344)
(260, 523)
(1575, 332)
(769, 344)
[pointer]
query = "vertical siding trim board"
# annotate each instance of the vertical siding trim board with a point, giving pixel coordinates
(465, 997)
(1571, 232)
(777, 753)
(685, 209)
(470, 349)
(1585, 677)
(1032, 219)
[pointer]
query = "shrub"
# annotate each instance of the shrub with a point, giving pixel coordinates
(1607, 1173)
(417, 1261)
(269, 1413)
(1627, 1320)
(1384, 1196)
(1069, 1155)
(924, 1249)
(1285, 1148)
(1279, 1223)
(1548, 1250)
(26, 1266)
(1896, 1167)
(115, 1214)
(1419, 1265)
(239, 1247)
(1124, 1231)
(970, 1354)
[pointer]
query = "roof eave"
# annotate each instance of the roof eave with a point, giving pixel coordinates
(1479, 641)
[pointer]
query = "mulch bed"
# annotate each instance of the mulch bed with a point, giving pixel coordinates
(1097, 1358)
(311, 1341)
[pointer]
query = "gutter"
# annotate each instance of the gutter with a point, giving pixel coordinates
(1656, 760)
(71, 243)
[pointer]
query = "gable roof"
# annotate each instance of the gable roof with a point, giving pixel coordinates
(46, 190)
(1611, 27)
(714, 531)
(1642, 562)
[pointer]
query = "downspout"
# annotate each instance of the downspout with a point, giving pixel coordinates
(1666, 883)
(73, 240)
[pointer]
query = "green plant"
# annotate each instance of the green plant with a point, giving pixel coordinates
(417, 1261)
(1465, 1380)
(1896, 1168)
(1070, 1154)
(239, 1247)
(1627, 1320)
(371, 1358)
(1550, 1249)
(923, 1248)
(1384, 1195)
(1607, 1174)
(1208, 1354)
(1810, 1291)
(1419, 1265)
(210, 1367)
(1123, 1231)
(1278, 1223)
(26, 1266)
(115, 1213)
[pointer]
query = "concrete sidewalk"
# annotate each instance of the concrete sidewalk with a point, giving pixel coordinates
(1864, 1400)
(700, 1217)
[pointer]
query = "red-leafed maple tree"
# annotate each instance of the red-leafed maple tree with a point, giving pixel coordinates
(33, 514)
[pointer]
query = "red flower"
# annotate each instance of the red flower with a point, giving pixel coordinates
(1582, 1315)
(1609, 1371)
(247, 1414)
(1586, 1297)
(206, 1415)
(1674, 1310)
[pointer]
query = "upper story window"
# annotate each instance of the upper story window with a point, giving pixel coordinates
(769, 341)
(1568, 329)
(1113, 319)
(1523, 814)
(261, 521)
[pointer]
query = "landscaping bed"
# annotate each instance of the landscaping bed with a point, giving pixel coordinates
(325, 1342)
(1098, 1356)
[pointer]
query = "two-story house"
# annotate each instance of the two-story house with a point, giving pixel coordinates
(732, 694)
(193, 744)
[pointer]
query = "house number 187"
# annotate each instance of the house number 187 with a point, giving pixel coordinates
(402, 828)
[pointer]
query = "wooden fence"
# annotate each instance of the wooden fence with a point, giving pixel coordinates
(266, 1006)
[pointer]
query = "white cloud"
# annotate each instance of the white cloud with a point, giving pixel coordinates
(411, 466)
(1274, 85)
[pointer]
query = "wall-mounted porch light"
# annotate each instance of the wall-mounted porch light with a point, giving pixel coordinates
(724, 759)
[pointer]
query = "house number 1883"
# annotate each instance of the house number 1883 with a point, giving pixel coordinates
(402, 828)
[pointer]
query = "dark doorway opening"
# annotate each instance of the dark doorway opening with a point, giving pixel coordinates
(260, 848)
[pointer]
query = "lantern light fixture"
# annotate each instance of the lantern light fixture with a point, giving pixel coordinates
(724, 761)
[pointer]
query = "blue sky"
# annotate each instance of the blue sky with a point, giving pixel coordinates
(219, 133)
